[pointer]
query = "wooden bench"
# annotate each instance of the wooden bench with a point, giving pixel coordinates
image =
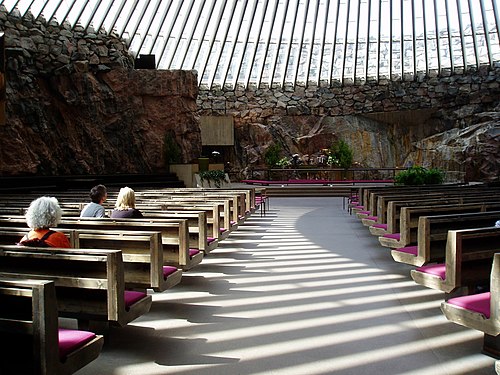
(363, 195)
(89, 283)
(432, 232)
(467, 263)
(480, 311)
(218, 215)
(33, 341)
(425, 200)
(142, 253)
(376, 203)
(408, 221)
(175, 234)
(197, 224)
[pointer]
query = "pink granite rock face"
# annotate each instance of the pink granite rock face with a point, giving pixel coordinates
(112, 122)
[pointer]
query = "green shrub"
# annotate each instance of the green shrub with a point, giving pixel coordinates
(171, 149)
(418, 175)
(343, 153)
(273, 155)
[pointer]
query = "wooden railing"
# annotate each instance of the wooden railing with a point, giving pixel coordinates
(331, 174)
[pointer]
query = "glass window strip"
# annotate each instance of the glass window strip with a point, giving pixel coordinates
(170, 39)
(229, 12)
(239, 63)
(340, 43)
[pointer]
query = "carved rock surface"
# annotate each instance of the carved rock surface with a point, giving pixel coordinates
(473, 151)
(76, 105)
(113, 122)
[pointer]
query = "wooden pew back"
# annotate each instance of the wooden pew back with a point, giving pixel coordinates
(89, 282)
(29, 326)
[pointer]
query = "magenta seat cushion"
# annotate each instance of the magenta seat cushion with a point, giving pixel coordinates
(382, 226)
(396, 236)
(364, 212)
(374, 218)
(210, 240)
(360, 207)
(131, 297)
(193, 252)
(479, 303)
(232, 222)
(71, 339)
(409, 249)
(222, 230)
(434, 269)
(168, 270)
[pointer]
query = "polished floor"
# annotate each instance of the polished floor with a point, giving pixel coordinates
(304, 290)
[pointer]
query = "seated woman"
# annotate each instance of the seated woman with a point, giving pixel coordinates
(44, 213)
(125, 205)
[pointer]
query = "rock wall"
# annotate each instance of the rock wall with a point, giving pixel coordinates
(75, 105)
(386, 123)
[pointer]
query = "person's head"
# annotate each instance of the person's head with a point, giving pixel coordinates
(43, 213)
(126, 199)
(98, 194)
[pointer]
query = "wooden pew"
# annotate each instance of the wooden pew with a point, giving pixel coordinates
(218, 215)
(408, 221)
(467, 265)
(142, 253)
(89, 283)
(33, 341)
(432, 232)
(399, 201)
(480, 311)
(376, 204)
(175, 234)
(197, 223)
(363, 202)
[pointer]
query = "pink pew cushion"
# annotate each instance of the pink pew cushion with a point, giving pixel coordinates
(210, 240)
(193, 252)
(222, 230)
(364, 212)
(168, 270)
(479, 303)
(434, 269)
(72, 339)
(131, 297)
(381, 226)
(360, 207)
(374, 218)
(232, 222)
(409, 249)
(395, 236)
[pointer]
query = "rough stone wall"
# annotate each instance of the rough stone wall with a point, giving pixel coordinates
(386, 123)
(75, 105)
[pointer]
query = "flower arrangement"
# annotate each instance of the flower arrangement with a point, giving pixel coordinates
(217, 176)
(283, 163)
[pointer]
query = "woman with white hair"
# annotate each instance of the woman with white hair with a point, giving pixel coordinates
(125, 205)
(44, 213)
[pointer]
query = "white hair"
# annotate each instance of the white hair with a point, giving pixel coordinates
(43, 212)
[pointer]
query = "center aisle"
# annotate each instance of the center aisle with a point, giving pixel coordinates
(305, 289)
